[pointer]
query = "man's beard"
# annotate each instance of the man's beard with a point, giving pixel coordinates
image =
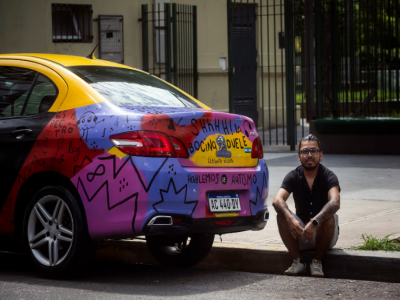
(310, 168)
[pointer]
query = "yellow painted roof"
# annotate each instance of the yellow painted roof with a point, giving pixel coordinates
(66, 60)
(58, 60)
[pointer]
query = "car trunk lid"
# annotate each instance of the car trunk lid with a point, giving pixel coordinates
(213, 139)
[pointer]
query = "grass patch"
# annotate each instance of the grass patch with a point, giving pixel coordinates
(372, 243)
(394, 115)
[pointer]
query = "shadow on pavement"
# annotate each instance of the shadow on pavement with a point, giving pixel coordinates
(112, 277)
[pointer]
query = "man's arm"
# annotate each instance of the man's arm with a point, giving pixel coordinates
(327, 211)
(282, 209)
(280, 204)
(331, 207)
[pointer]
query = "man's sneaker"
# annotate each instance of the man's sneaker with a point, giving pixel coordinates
(297, 268)
(316, 268)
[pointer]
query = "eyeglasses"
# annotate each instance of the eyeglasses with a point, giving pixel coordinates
(313, 151)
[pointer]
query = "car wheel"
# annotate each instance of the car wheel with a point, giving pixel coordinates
(55, 233)
(180, 251)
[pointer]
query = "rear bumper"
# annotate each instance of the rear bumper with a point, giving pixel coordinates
(133, 189)
(184, 224)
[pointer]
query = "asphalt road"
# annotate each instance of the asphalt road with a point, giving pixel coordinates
(127, 281)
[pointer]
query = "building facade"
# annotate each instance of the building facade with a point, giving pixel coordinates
(36, 26)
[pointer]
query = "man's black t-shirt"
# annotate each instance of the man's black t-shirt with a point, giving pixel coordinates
(309, 202)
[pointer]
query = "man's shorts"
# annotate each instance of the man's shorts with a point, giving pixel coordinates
(305, 244)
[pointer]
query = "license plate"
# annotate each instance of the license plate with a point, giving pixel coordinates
(224, 202)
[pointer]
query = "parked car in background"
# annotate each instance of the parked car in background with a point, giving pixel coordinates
(94, 150)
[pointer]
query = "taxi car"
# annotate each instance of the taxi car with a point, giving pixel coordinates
(93, 150)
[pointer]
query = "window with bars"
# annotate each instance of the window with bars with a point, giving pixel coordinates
(72, 23)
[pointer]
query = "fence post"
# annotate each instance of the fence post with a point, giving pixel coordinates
(175, 42)
(318, 58)
(230, 56)
(309, 49)
(334, 25)
(99, 29)
(168, 42)
(289, 52)
(145, 38)
(195, 67)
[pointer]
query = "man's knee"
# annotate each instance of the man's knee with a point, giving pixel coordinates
(328, 224)
(282, 222)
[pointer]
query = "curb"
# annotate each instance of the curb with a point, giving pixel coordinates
(338, 263)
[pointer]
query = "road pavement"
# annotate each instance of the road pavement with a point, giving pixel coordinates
(128, 281)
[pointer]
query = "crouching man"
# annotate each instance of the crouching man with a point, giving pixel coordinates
(316, 195)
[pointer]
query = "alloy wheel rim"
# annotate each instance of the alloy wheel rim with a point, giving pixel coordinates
(50, 230)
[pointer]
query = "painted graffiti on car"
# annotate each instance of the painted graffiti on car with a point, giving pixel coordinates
(134, 188)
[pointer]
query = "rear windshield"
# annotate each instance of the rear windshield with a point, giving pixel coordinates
(126, 87)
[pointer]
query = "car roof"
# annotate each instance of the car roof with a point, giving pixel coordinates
(64, 60)
(60, 60)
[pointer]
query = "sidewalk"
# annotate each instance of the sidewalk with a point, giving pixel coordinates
(370, 204)
(370, 198)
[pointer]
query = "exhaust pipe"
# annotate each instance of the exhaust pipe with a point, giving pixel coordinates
(266, 215)
(161, 221)
(262, 216)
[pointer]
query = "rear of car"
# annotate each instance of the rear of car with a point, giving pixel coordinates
(195, 170)
(139, 157)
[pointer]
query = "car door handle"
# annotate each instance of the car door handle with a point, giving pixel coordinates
(21, 133)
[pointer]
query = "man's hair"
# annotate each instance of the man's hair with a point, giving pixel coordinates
(310, 137)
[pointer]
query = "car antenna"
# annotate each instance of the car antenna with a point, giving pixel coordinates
(91, 55)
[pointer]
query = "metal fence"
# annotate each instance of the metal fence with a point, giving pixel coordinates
(289, 60)
(262, 67)
(169, 44)
(350, 58)
(326, 58)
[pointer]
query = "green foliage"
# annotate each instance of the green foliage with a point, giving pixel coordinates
(358, 96)
(372, 27)
(371, 243)
(376, 29)
(394, 115)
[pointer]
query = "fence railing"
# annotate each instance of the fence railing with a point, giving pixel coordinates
(169, 44)
(351, 65)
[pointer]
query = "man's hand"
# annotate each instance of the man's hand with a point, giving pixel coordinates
(309, 231)
(295, 228)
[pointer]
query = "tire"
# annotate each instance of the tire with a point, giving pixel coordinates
(180, 251)
(55, 234)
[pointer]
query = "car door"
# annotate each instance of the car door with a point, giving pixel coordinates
(28, 92)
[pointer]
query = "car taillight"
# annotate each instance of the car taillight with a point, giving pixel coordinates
(149, 143)
(257, 149)
(179, 147)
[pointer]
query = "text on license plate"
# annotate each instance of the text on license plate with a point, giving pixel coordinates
(223, 202)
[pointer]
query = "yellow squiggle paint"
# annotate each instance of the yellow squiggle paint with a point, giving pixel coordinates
(206, 155)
